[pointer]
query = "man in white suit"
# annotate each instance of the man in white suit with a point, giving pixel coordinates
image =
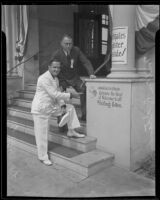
(48, 100)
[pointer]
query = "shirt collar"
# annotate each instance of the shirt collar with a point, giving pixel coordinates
(65, 52)
(54, 77)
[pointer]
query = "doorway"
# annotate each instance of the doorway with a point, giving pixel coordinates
(91, 35)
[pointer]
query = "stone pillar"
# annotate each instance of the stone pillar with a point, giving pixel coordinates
(124, 16)
(31, 67)
(9, 24)
(120, 108)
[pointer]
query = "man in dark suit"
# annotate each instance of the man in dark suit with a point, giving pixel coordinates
(70, 56)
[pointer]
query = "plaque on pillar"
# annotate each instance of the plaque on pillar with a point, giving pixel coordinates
(119, 45)
(120, 114)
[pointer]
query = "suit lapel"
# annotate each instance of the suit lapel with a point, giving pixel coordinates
(54, 81)
(63, 55)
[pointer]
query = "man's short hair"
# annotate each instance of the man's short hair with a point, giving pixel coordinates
(67, 35)
(54, 60)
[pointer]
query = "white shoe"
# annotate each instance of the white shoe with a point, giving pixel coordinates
(72, 133)
(46, 162)
(64, 120)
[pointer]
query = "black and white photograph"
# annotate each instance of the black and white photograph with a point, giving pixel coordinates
(80, 99)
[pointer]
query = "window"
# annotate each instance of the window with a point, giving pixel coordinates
(104, 33)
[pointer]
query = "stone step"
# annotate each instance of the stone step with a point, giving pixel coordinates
(25, 112)
(26, 125)
(32, 86)
(23, 102)
(29, 94)
(26, 102)
(85, 164)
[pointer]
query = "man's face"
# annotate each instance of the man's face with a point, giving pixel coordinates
(67, 44)
(54, 68)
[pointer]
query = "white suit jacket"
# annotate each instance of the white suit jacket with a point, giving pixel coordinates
(48, 95)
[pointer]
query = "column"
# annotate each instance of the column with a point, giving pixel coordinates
(14, 38)
(123, 16)
(120, 108)
(9, 29)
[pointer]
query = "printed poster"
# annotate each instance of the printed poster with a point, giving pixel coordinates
(119, 45)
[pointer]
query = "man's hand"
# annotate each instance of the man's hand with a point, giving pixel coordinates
(75, 95)
(62, 89)
(92, 76)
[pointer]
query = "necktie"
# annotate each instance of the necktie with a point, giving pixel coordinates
(69, 59)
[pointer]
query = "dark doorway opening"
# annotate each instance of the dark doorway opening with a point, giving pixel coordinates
(91, 24)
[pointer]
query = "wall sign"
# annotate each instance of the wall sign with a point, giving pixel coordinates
(110, 97)
(119, 45)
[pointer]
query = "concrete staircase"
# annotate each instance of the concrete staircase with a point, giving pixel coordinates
(77, 154)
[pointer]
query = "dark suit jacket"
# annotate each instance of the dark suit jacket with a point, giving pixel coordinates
(69, 72)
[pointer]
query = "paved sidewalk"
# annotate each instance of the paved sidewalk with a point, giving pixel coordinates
(26, 176)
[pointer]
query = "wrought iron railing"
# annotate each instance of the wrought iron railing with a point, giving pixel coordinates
(37, 53)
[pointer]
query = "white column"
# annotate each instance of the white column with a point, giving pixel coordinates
(14, 37)
(124, 16)
(9, 27)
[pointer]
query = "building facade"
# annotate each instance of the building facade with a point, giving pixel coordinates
(124, 100)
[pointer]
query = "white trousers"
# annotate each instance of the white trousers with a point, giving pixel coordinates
(41, 127)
